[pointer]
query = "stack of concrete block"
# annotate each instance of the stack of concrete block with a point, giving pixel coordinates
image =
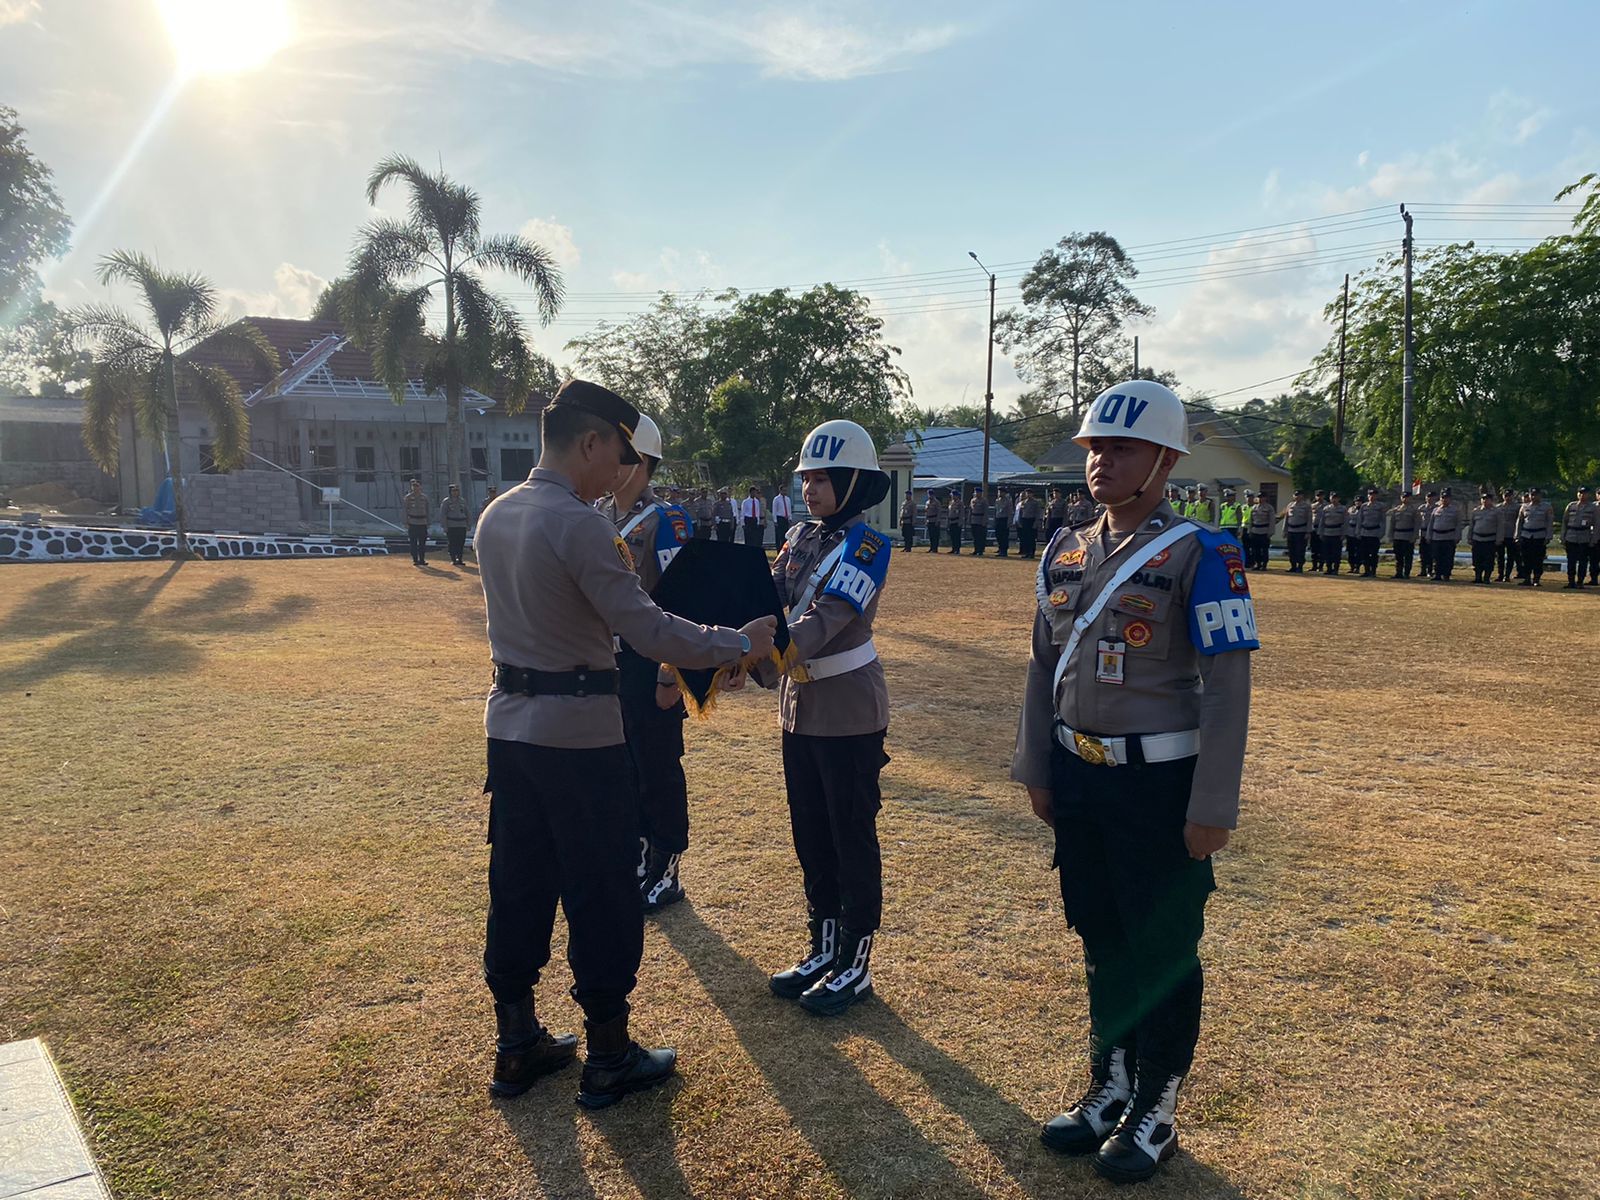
(245, 501)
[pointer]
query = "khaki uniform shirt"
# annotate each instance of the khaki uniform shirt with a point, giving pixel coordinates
(1057, 511)
(978, 511)
(1371, 521)
(1487, 525)
(416, 508)
(1169, 686)
(722, 510)
(840, 705)
(1079, 512)
(1578, 525)
(454, 514)
(1262, 518)
(641, 538)
(1028, 510)
(933, 511)
(557, 584)
(1447, 523)
(1535, 521)
(1331, 520)
(1404, 520)
(1297, 517)
(1005, 508)
(908, 511)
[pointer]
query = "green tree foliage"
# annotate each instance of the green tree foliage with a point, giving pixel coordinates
(144, 371)
(1278, 428)
(1507, 363)
(37, 355)
(437, 254)
(1587, 222)
(1067, 339)
(1322, 464)
(33, 225)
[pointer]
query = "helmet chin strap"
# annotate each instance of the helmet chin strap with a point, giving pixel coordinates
(1140, 490)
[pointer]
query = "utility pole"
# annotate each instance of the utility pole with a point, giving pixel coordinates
(1409, 378)
(1136, 356)
(988, 389)
(1338, 412)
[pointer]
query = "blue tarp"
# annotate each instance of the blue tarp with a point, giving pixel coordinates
(163, 511)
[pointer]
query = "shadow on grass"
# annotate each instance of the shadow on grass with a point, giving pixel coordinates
(122, 639)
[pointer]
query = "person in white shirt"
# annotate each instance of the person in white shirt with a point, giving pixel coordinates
(782, 513)
(753, 516)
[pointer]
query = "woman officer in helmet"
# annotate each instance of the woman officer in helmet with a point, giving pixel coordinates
(834, 707)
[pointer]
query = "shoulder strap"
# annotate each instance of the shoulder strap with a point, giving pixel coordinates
(1088, 617)
(824, 569)
(636, 520)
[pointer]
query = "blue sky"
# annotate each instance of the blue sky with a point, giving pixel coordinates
(712, 144)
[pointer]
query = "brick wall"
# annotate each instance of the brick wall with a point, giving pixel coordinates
(247, 501)
(84, 478)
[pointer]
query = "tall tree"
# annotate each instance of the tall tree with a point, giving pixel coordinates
(801, 360)
(437, 254)
(33, 225)
(1067, 339)
(1587, 220)
(1322, 464)
(36, 352)
(144, 372)
(1279, 427)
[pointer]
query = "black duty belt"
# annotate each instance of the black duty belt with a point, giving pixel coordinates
(526, 681)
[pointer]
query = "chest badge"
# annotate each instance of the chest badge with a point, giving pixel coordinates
(1069, 558)
(1138, 603)
(1137, 633)
(1059, 597)
(1160, 558)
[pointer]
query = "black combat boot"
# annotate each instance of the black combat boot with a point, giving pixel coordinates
(1090, 1120)
(824, 944)
(660, 886)
(525, 1049)
(1147, 1133)
(849, 980)
(617, 1065)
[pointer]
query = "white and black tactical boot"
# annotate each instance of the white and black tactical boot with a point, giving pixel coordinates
(660, 885)
(1147, 1133)
(1088, 1122)
(824, 945)
(848, 981)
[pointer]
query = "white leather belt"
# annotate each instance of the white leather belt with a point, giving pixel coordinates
(1113, 752)
(842, 663)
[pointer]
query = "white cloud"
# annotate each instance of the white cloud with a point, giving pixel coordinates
(793, 45)
(1363, 158)
(294, 294)
(14, 12)
(1515, 118)
(554, 237)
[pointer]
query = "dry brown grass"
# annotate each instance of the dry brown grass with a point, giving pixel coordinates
(241, 895)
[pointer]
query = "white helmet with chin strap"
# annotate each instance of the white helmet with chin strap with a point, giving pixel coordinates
(835, 444)
(1142, 410)
(647, 437)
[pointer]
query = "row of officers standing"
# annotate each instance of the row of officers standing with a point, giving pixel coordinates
(1018, 513)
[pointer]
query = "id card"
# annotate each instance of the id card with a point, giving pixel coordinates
(1109, 660)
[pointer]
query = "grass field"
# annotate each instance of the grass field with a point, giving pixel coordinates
(242, 894)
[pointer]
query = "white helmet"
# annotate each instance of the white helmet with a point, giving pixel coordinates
(837, 444)
(647, 437)
(1140, 409)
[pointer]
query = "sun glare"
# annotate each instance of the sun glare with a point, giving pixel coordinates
(215, 37)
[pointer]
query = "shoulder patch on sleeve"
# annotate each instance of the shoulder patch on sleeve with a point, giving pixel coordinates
(862, 567)
(624, 553)
(1222, 615)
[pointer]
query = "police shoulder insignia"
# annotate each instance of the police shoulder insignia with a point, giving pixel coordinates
(1137, 633)
(1069, 558)
(859, 575)
(624, 553)
(871, 542)
(1221, 612)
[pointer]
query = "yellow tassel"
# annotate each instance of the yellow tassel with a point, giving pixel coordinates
(791, 664)
(700, 711)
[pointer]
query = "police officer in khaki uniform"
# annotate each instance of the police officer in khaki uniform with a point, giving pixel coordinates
(1027, 524)
(1131, 745)
(455, 516)
(1430, 505)
(933, 517)
(1262, 518)
(1485, 533)
(1296, 520)
(955, 516)
(1055, 515)
(978, 522)
(415, 504)
(1506, 554)
(908, 522)
(653, 711)
(834, 707)
(1005, 511)
(1318, 499)
(1081, 510)
(557, 583)
(1445, 527)
(1331, 518)
(1577, 535)
(1535, 522)
(1404, 522)
(1370, 529)
(722, 516)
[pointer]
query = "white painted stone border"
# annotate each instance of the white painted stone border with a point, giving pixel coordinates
(43, 1153)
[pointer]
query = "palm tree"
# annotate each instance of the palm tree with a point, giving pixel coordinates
(144, 372)
(399, 267)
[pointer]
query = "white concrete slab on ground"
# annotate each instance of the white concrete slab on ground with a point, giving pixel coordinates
(43, 1154)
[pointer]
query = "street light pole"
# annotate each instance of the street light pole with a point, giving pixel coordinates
(988, 389)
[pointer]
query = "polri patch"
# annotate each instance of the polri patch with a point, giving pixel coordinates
(1069, 558)
(1138, 633)
(1059, 597)
(624, 553)
(1160, 558)
(871, 543)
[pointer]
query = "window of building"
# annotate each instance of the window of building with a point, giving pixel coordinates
(515, 464)
(366, 464)
(480, 462)
(324, 457)
(410, 458)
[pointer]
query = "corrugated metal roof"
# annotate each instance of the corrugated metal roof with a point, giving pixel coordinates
(956, 452)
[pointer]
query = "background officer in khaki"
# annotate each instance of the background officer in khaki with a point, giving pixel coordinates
(1535, 522)
(1430, 505)
(978, 522)
(1506, 554)
(908, 522)
(415, 504)
(1404, 521)
(933, 518)
(1369, 528)
(1027, 524)
(1296, 520)
(1261, 519)
(1131, 746)
(1577, 535)
(1445, 527)
(455, 516)
(1331, 519)
(722, 516)
(1081, 510)
(955, 516)
(1485, 527)
(557, 584)
(1005, 510)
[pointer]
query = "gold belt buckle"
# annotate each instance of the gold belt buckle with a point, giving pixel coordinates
(1091, 750)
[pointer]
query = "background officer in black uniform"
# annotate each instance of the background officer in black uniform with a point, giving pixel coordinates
(557, 583)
